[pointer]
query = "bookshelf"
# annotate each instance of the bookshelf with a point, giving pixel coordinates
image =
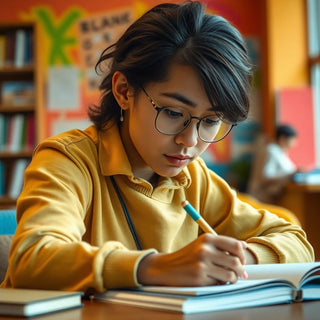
(21, 105)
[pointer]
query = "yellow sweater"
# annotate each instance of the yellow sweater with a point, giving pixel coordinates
(72, 233)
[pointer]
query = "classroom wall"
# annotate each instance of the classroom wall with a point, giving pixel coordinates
(287, 75)
(273, 30)
(68, 61)
(287, 43)
(287, 53)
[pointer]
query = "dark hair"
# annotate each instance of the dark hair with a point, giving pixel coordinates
(171, 33)
(286, 131)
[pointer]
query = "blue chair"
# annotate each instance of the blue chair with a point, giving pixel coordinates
(8, 225)
(8, 222)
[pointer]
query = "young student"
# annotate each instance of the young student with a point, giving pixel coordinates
(273, 168)
(178, 81)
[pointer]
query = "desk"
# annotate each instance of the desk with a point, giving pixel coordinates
(107, 311)
(304, 201)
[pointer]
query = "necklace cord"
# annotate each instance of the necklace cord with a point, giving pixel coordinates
(127, 215)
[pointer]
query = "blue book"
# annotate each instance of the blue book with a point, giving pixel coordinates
(2, 180)
(3, 132)
(28, 58)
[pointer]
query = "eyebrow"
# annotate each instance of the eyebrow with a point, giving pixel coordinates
(180, 98)
(185, 100)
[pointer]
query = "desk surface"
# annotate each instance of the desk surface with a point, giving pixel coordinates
(108, 311)
(303, 200)
(303, 186)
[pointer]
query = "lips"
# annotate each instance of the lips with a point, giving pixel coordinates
(178, 160)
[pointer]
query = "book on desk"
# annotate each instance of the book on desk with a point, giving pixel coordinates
(268, 284)
(308, 177)
(31, 303)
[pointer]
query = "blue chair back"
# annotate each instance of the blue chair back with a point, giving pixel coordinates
(8, 222)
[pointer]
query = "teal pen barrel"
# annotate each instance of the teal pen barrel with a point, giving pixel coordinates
(190, 210)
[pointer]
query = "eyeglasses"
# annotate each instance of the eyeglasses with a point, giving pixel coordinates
(173, 120)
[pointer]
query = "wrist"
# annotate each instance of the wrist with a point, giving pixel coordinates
(250, 257)
(146, 269)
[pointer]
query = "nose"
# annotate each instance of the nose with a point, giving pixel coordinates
(189, 136)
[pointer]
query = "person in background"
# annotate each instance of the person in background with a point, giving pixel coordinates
(101, 207)
(273, 168)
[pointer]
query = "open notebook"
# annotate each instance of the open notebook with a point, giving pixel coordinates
(267, 284)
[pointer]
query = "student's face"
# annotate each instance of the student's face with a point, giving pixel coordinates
(150, 151)
(287, 142)
(291, 142)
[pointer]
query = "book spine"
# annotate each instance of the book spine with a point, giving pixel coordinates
(9, 133)
(3, 133)
(2, 51)
(297, 295)
(17, 178)
(29, 48)
(16, 133)
(24, 137)
(2, 180)
(20, 48)
(10, 36)
(6, 132)
(31, 132)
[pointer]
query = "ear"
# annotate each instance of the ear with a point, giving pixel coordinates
(121, 89)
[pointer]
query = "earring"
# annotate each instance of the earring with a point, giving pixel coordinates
(121, 114)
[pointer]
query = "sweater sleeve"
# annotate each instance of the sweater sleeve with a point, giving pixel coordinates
(57, 245)
(271, 238)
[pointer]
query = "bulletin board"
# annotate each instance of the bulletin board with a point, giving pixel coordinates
(73, 34)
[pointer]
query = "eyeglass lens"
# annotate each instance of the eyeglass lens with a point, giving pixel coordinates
(174, 120)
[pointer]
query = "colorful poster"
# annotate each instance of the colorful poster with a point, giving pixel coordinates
(96, 33)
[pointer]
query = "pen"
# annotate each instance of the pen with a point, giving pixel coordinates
(202, 223)
(197, 218)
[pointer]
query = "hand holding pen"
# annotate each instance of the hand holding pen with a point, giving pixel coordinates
(208, 260)
(203, 224)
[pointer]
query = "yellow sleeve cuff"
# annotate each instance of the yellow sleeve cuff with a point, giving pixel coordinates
(263, 253)
(120, 268)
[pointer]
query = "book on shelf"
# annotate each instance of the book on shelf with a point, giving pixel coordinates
(28, 56)
(17, 178)
(17, 93)
(3, 132)
(30, 132)
(10, 47)
(268, 284)
(2, 51)
(31, 302)
(17, 132)
(2, 179)
(16, 48)
(20, 48)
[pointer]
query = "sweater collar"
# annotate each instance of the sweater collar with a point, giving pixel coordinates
(113, 158)
(112, 155)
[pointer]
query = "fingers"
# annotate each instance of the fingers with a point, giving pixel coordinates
(208, 260)
(231, 246)
(227, 258)
(226, 268)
